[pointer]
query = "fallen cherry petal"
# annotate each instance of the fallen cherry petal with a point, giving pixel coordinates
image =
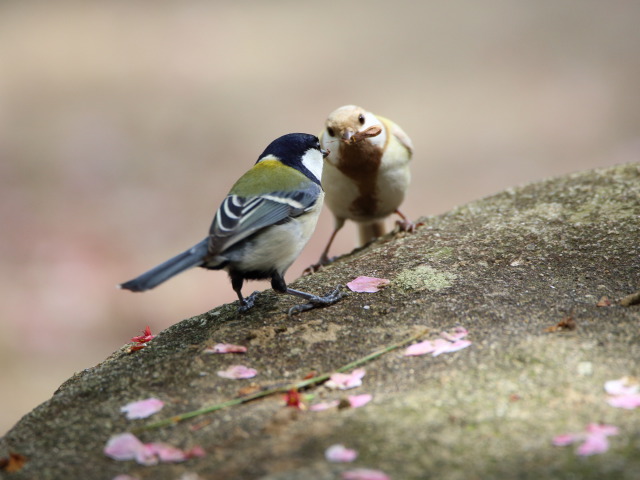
(195, 452)
(357, 401)
(420, 348)
(448, 343)
(238, 372)
(593, 444)
(293, 399)
(142, 408)
(629, 402)
(440, 345)
(225, 348)
(602, 429)
(594, 439)
(166, 452)
(345, 381)
(145, 337)
(458, 333)
(367, 284)
(124, 476)
(318, 407)
(364, 474)
(455, 346)
(621, 386)
(340, 454)
(565, 439)
(125, 446)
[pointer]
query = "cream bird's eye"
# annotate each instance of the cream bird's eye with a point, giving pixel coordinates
(330, 131)
(361, 119)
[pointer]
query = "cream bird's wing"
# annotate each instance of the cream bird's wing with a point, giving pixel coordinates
(397, 132)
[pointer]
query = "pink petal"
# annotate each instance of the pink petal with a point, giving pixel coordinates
(565, 439)
(420, 348)
(124, 446)
(318, 407)
(127, 446)
(142, 408)
(345, 381)
(225, 348)
(147, 455)
(340, 454)
(595, 439)
(458, 345)
(625, 401)
(367, 284)
(166, 453)
(593, 444)
(359, 400)
(621, 386)
(195, 452)
(458, 333)
(364, 474)
(441, 346)
(602, 429)
(124, 476)
(238, 372)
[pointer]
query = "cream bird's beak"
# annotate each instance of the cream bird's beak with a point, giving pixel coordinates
(348, 133)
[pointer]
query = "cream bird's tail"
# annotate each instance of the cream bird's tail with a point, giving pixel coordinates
(370, 231)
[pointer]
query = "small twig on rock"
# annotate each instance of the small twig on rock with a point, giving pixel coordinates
(318, 379)
(633, 299)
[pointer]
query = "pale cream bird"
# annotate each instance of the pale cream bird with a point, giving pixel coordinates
(366, 174)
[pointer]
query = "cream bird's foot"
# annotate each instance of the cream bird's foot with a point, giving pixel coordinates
(406, 225)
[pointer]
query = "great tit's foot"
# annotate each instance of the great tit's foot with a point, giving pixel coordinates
(247, 302)
(315, 301)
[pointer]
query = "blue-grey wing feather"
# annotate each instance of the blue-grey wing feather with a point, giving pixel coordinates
(240, 217)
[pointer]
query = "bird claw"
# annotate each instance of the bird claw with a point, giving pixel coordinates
(408, 226)
(316, 301)
(316, 267)
(248, 302)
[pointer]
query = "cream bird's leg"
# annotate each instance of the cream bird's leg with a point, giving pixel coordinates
(405, 224)
(324, 258)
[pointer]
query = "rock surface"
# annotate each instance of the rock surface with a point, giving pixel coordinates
(506, 268)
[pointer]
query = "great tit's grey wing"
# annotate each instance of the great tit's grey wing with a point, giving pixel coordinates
(240, 217)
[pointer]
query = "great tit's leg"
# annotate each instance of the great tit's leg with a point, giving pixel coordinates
(324, 258)
(406, 225)
(245, 303)
(314, 301)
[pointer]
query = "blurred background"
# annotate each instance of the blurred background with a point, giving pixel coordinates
(123, 125)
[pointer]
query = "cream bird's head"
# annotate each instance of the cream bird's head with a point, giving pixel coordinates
(351, 124)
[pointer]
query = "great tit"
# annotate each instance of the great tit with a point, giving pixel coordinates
(262, 225)
(366, 175)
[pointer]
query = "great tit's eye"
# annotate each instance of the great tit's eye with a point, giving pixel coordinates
(361, 119)
(330, 131)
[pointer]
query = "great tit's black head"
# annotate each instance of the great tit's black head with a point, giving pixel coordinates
(301, 151)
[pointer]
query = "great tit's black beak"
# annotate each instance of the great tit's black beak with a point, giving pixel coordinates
(325, 153)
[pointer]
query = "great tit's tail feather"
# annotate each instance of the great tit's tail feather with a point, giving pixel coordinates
(370, 231)
(190, 258)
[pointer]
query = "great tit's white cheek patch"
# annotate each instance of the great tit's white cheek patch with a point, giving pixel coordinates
(312, 160)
